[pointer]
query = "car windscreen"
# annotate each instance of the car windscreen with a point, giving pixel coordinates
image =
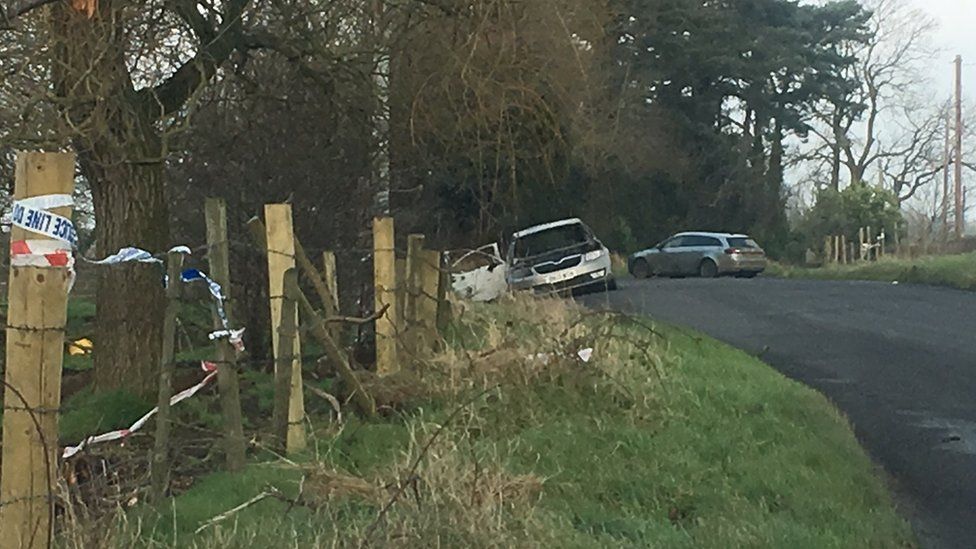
(550, 239)
(742, 242)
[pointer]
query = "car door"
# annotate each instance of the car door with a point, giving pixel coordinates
(687, 256)
(667, 257)
(479, 275)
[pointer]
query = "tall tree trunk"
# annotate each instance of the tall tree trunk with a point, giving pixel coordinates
(121, 155)
(130, 210)
(774, 216)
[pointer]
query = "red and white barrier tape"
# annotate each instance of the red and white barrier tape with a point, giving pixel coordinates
(40, 253)
(43, 253)
(209, 367)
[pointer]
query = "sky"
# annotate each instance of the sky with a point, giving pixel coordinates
(956, 35)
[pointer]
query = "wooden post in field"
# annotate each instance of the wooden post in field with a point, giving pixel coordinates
(317, 327)
(384, 289)
(412, 293)
(315, 277)
(285, 363)
(230, 394)
(280, 238)
(400, 270)
(37, 298)
(828, 253)
(160, 462)
(837, 249)
(843, 249)
(427, 304)
(443, 288)
(415, 247)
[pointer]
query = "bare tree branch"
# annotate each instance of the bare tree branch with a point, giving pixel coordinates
(18, 9)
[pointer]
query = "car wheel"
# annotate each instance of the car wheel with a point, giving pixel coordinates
(708, 269)
(640, 269)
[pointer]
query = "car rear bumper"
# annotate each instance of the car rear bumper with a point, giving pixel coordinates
(741, 264)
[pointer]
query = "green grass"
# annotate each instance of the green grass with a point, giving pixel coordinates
(670, 440)
(954, 271)
(87, 413)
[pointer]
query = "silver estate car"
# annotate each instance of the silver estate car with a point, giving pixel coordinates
(704, 254)
(562, 256)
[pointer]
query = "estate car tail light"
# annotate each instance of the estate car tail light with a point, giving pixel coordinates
(732, 251)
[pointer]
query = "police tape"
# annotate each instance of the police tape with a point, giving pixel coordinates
(138, 255)
(70, 451)
(31, 214)
(235, 337)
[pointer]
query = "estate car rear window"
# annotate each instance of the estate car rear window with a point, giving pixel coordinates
(741, 242)
(551, 239)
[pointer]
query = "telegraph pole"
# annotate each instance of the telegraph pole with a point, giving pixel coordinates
(960, 214)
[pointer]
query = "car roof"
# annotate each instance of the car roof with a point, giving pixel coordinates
(546, 226)
(720, 235)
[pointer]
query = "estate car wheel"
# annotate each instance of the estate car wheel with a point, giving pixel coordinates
(640, 269)
(708, 269)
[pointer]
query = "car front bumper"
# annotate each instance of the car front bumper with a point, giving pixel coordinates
(585, 274)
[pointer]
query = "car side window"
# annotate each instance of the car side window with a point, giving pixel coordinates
(712, 242)
(675, 242)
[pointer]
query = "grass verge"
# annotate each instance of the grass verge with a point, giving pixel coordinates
(954, 271)
(663, 439)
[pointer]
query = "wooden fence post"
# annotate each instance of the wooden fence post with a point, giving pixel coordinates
(318, 283)
(317, 327)
(843, 248)
(36, 314)
(280, 238)
(384, 289)
(828, 253)
(443, 289)
(285, 363)
(427, 303)
(401, 275)
(230, 395)
(411, 284)
(160, 462)
(415, 248)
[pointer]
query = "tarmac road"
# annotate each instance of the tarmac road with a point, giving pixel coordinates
(899, 360)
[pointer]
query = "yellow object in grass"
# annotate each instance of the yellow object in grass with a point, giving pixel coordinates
(80, 347)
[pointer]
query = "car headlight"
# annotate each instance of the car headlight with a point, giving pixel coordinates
(593, 256)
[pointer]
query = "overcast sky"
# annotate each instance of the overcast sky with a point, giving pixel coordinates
(956, 35)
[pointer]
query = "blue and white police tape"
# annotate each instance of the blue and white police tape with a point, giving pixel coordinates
(31, 215)
(235, 337)
(126, 255)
